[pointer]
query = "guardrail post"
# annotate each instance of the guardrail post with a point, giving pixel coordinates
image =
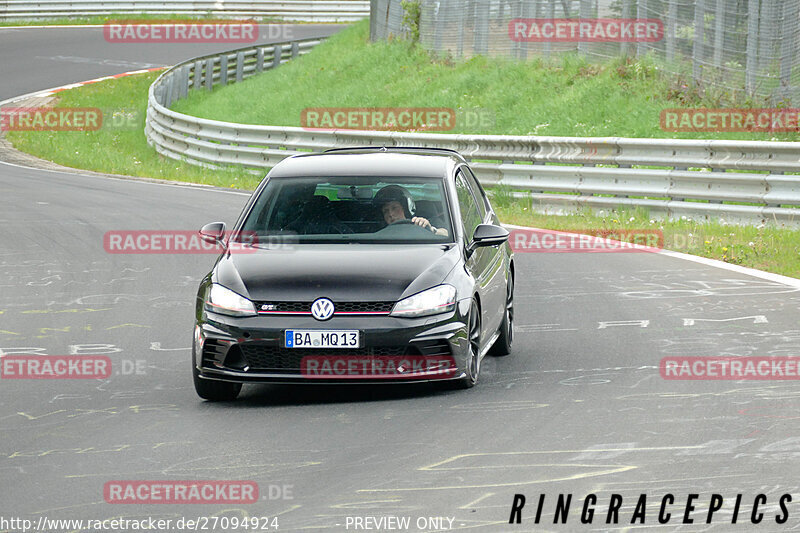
(239, 66)
(177, 78)
(198, 73)
(171, 90)
(277, 51)
(223, 70)
(209, 74)
(260, 60)
(295, 49)
(184, 82)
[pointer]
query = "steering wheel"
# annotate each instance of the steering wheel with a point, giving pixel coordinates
(400, 225)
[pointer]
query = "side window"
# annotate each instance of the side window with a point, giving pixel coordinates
(480, 195)
(477, 192)
(470, 217)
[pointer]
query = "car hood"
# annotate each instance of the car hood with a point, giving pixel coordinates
(353, 272)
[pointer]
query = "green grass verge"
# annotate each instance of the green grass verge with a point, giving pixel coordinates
(119, 146)
(762, 247)
(565, 97)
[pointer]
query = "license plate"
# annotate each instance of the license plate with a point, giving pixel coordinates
(316, 338)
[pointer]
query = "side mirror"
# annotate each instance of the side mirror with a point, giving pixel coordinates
(213, 233)
(487, 235)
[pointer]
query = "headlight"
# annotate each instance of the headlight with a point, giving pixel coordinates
(226, 302)
(437, 300)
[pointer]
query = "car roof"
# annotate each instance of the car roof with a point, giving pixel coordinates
(370, 162)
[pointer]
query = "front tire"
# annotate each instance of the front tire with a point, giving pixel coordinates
(214, 391)
(502, 346)
(472, 365)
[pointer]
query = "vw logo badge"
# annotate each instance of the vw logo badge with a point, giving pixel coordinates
(322, 309)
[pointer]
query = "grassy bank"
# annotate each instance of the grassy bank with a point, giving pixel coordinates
(569, 96)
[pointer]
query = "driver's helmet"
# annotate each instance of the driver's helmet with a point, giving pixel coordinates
(395, 193)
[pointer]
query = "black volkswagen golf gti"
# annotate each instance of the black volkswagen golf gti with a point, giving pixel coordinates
(356, 265)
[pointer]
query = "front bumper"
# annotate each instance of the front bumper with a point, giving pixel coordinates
(251, 349)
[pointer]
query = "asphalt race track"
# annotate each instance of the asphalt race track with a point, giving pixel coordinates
(579, 407)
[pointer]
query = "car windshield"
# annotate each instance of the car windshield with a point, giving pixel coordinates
(359, 209)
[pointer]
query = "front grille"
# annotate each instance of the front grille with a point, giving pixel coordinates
(364, 307)
(275, 358)
(278, 308)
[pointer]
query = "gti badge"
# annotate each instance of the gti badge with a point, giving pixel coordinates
(322, 309)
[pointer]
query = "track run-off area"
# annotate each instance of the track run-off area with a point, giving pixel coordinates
(579, 408)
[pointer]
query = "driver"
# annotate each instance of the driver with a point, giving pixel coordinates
(397, 205)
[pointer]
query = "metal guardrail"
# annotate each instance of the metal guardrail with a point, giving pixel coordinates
(290, 10)
(696, 179)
